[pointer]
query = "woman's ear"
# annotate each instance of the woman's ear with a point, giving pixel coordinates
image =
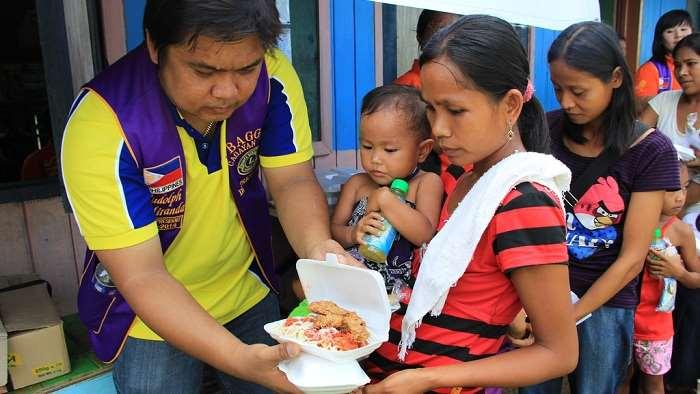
(616, 79)
(424, 149)
(512, 103)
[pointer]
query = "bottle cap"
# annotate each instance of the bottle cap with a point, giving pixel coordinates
(399, 185)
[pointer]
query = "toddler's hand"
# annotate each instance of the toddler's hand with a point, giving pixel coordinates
(665, 266)
(371, 223)
(377, 198)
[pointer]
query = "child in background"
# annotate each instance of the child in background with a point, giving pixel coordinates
(394, 139)
(685, 362)
(653, 330)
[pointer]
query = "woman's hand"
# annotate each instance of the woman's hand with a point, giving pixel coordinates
(696, 162)
(520, 331)
(665, 266)
(408, 381)
(372, 223)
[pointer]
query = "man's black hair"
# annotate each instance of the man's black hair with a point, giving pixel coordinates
(172, 22)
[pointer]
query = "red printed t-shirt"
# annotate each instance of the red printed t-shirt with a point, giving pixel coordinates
(527, 229)
(650, 325)
(646, 81)
(411, 77)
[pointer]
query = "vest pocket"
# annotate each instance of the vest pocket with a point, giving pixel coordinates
(103, 310)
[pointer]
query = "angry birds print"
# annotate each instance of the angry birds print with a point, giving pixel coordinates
(592, 224)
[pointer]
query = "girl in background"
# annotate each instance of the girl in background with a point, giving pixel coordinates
(612, 221)
(657, 74)
(672, 111)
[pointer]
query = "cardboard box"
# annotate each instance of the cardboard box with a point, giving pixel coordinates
(36, 346)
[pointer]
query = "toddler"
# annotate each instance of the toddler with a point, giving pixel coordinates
(394, 139)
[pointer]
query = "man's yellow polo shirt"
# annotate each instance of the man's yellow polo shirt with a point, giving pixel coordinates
(211, 255)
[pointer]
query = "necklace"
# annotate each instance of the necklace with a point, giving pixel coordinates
(208, 130)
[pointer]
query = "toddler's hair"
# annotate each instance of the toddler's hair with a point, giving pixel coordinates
(404, 99)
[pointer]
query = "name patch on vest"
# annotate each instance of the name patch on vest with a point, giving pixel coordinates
(243, 156)
(165, 183)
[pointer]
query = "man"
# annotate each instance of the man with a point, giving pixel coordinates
(160, 160)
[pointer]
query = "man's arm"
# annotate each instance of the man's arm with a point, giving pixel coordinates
(302, 210)
(170, 311)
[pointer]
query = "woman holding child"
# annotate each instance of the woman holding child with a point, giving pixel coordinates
(502, 245)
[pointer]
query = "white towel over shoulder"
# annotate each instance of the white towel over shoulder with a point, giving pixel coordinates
(451, 250)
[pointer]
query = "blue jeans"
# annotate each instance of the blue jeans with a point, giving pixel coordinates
(605, 352)
(146, 366)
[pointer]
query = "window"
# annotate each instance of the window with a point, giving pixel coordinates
(300, 42)
(399, 39)
(27, 157)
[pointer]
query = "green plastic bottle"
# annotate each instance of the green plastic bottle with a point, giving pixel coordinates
(376, 248)
(657, 243)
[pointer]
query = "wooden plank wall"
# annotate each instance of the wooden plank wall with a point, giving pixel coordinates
(40, 237)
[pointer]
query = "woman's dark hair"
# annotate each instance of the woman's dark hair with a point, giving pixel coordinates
(593, 48)
(487, 51)
(668, 20)
(171, 22)
(404, 99)
(691, 41)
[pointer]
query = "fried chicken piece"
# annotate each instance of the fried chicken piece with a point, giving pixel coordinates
(326, 308)
(330, 320)
(331, 315)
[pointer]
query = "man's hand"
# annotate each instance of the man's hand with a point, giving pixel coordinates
(258, 363)
(320, 249)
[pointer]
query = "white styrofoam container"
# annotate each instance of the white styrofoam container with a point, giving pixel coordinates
(359, 290)
(312, 374)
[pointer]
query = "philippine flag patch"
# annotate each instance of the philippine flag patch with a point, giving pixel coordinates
(165, 177)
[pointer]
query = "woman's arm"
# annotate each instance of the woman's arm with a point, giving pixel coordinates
(642, 217)
(544, 292)
(417, 225)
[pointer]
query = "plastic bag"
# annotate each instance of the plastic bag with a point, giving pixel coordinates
(667, 299)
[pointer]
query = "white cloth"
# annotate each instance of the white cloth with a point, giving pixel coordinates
(451, 250)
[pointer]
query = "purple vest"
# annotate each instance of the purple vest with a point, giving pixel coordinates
(132, 89)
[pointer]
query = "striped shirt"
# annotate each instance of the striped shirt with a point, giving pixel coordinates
(527, 229)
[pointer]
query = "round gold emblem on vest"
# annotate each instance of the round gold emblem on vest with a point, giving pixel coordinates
(247, 162)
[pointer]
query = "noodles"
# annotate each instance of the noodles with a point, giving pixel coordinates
(330, 338)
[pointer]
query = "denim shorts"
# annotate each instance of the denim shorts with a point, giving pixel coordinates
(605, 352)
(147, 366)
